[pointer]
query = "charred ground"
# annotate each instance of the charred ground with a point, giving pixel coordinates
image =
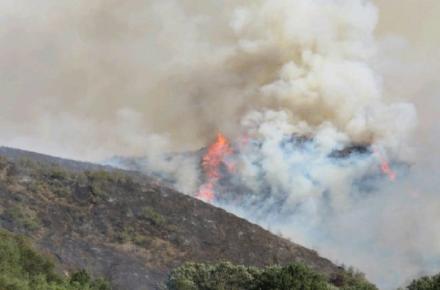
(125, 226)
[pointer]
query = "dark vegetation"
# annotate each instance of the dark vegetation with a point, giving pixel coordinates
(226, 276)
(426, 283)
(21, 268)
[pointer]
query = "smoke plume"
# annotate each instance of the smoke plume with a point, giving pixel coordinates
(293, 84)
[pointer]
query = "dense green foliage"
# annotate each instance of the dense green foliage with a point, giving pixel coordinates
(192, 276)
(426, 283)
(226, 276)
(21, 268)
(294, 276)
(350, 279)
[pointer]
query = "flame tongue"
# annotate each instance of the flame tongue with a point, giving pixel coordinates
(206, 192)
(216, 156)
(384, 165)
(217, 159)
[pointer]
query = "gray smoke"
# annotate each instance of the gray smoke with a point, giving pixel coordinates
(95, 79)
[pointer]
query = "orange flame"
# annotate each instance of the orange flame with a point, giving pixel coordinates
(215, 156)
(206, 192)
(384, 165)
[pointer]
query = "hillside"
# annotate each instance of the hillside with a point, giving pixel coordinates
(125, 226)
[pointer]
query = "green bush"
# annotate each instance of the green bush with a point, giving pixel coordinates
(223, 276)
(100, 181)
(130, 234)
(291, 277)
(350, 279)
(426, 283)
(21, 268)
(23, 217)
(148, 213)
(226, 276)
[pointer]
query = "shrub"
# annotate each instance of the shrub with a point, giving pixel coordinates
(21, 268)
(223, 276)
(100, 181)
(291, 277)
(130, 234)
(426, 283)
(23, 217)
(81, 277)
(226, 276)
(351, 279)
(149, 214)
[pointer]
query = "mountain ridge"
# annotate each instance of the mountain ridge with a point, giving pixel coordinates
(125, 226)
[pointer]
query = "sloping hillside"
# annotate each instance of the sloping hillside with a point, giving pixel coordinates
(125, 226)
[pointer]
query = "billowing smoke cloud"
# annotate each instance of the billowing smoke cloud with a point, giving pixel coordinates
(293, 83)
(111, 73)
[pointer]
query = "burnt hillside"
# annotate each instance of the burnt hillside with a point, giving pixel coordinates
(125, 226)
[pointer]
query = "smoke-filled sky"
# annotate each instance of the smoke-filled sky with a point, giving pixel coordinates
(93, 79)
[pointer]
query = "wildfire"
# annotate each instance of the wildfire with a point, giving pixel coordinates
(216, 156)
(384, 165)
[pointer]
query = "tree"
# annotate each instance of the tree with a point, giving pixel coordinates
(426, 283)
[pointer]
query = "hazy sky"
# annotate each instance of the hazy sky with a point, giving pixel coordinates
(415, 76)
(90, 79)
(81, 67)
(417, 20)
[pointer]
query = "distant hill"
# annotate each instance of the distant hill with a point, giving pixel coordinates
(125, 226)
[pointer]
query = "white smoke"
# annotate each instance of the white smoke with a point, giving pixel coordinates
(180, 72)
(94, 79)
